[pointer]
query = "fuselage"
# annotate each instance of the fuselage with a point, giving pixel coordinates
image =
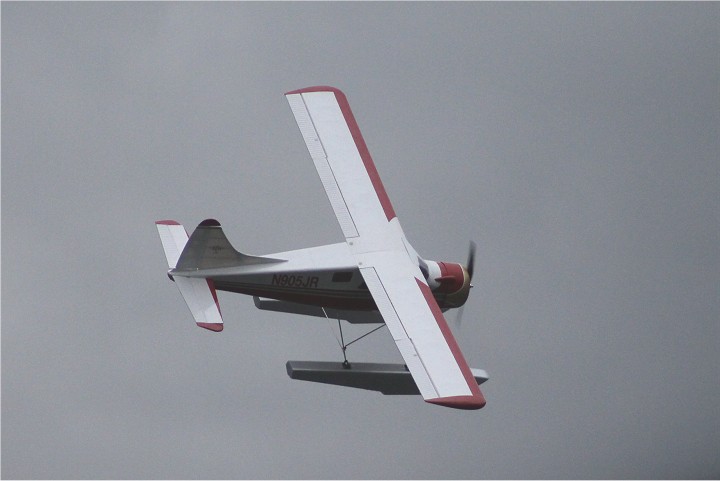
(328, 276)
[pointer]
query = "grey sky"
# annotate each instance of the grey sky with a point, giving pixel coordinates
(577, 144)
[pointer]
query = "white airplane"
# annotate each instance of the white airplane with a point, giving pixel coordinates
(375, 276)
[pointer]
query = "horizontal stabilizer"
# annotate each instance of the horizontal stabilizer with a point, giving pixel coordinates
(199, 294)
(173, 238)
(201, 298)
(385, 378)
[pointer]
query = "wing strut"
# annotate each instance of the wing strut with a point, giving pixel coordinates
(341, 341)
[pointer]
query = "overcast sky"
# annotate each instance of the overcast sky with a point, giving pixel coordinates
(577, 144)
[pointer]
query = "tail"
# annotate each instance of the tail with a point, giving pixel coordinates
(199, 293)
(209, 248)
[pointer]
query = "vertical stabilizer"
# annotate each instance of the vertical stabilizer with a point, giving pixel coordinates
(209, 248)
(199, 294)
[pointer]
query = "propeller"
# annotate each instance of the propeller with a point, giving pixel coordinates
(470, 266)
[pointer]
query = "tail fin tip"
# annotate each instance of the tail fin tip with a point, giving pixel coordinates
(209, 223)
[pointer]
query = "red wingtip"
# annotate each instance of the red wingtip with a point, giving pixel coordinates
(167, 222)
(317, 88)
(215, 327)
(460, 402)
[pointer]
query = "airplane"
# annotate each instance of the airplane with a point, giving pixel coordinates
(374, 277)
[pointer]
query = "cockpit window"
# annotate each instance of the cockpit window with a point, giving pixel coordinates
(345, 276)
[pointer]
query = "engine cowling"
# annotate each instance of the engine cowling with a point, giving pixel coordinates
(449, 281)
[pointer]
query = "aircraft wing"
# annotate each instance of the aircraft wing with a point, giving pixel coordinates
(342, 160)
(420, 330)
(389, 265)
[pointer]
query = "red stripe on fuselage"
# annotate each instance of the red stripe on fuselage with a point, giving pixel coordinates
(359, 143)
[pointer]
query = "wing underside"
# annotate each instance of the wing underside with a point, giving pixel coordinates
(420, 331)
(386, 260)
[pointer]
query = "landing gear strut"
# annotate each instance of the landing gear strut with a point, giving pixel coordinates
(346, 364)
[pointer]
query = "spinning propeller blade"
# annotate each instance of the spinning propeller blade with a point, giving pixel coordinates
(470, 266)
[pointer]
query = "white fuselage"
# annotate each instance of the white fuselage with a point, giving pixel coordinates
(324, 276)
